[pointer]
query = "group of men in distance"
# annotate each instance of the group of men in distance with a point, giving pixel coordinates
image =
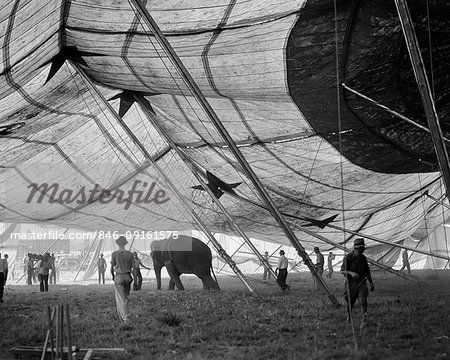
(354, 267)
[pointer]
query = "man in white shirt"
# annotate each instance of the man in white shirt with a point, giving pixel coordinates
(121, 264)
(281, 271)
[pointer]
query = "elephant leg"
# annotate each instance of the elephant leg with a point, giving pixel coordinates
(212, 283)
(171, 285)
(174, 276)
(207, 280)
(158, 277)
(205, 285)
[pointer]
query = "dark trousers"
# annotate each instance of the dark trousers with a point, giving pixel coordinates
(2, 285)
(43, 282)
(31, 277)
(281, 278)
(137, 276)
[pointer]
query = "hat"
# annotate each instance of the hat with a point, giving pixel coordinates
(281, 252)
(359, 243)
(121, 241)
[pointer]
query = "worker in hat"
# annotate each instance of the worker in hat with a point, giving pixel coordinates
(281, 271)
(121, 264)
(101, 267)
(356, 270)
(319, 264)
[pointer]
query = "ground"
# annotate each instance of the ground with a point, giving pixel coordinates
(406, 320)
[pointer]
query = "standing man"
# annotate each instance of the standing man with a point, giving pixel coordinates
(357, 272)
(5, 259)
(31, 276)
(281, 271)
(267, 274)
(405, 261)
(330, 259)
(121, 264)
(137, 276)
(46, 264)
(3, 276)
(52, 275)
(319, 264)
(101, 266)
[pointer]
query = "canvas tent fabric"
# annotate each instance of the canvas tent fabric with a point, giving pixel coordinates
(267, 68)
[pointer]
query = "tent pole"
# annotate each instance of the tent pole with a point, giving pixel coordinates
(370, 237)
(180, 197)
(151, 117)
(395, 113)
(424, 90)
(85, 258)
(195, 90)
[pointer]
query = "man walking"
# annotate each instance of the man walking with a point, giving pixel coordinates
(101, 266)
(356, 270)
(3, 276)
(281, 271)
(405, 259)
(318, 265)
(330, 259)
(121, 263)
(267, 274)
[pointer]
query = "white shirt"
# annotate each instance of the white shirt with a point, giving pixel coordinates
(282, 262)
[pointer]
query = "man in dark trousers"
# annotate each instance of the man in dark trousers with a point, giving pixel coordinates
(357, 273)
(281, 271)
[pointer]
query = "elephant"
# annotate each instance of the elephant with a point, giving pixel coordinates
(182, 254)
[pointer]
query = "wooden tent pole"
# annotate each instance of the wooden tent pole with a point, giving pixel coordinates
(195, 90)
(180, 197)
(370, 237)
(395, 113)
(151, 117)
(424, 90)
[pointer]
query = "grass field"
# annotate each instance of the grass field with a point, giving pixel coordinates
(406, 320)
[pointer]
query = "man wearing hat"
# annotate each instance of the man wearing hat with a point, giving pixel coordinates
(121, 263)
(281, 271)
(101, 267)
(318, 265)
(356, 270)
